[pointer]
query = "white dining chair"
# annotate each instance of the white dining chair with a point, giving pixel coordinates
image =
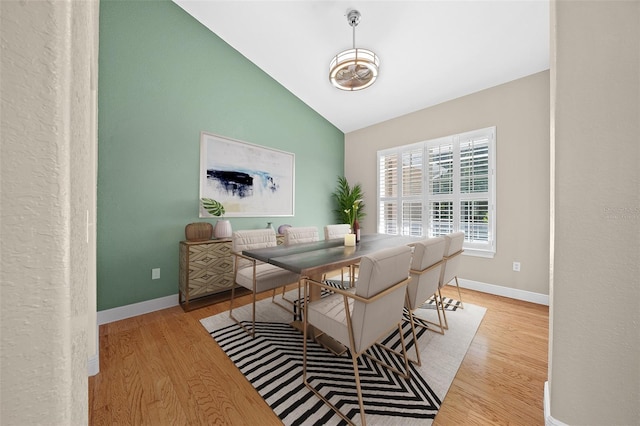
(300, 234)
(426, 265)
(338, 231)
(452, 252)
(255, 275)
(359, 318)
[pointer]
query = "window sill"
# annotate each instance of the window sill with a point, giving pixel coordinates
(479, 253)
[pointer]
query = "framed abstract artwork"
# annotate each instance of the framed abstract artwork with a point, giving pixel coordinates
(249, 180)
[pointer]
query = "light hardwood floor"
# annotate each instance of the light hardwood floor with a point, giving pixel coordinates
(163, 368)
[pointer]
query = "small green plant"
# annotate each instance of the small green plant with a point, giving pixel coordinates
(349, 204)
(215, 208)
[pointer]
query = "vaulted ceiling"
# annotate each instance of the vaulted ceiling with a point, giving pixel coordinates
(430, 51)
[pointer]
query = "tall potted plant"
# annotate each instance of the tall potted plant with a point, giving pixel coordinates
(349, 204)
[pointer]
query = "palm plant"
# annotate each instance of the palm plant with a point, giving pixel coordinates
(348, 201)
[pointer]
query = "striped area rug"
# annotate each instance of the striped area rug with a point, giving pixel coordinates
(272, 362)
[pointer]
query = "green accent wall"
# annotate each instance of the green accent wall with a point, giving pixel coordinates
(164, 78)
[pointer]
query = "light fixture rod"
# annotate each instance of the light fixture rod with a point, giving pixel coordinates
(353, 18)
(354, 36)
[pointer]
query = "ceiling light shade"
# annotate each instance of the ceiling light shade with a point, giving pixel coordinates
(354, 69)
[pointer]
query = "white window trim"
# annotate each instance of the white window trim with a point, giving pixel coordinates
(471, 249)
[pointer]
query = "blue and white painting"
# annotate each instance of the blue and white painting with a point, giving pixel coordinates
(249, 180)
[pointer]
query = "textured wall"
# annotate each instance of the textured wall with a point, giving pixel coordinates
(164, 78)
(594, 342)
(47, 182)
(520, 112)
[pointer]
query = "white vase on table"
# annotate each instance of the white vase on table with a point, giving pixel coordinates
(222, 229)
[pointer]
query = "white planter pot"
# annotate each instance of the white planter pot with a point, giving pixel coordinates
(222, 229)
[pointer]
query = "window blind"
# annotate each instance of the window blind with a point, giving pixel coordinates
(440, 186)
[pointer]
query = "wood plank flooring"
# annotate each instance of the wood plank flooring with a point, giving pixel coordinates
(163, 368)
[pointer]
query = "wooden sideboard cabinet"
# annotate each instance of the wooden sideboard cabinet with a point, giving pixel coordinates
(206, 268)
(206, 272)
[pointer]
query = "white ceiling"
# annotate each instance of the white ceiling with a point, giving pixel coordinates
(430, 51)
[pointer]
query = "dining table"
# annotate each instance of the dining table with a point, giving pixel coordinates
(318, 257)
(313, 260)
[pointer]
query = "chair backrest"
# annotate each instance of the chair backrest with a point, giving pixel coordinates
(454, 242)
(427, 262)
(252, 239)
(300, 234)
(378, 272)
(334, 232)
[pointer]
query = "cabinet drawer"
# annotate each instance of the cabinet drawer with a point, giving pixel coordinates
(206, 267)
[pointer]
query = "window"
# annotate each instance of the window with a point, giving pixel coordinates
(441, 186)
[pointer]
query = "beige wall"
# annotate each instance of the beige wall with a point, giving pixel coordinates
(47, 170)
(594, 376)
(520, 112)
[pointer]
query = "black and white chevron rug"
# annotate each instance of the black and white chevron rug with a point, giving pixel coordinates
(272, 362)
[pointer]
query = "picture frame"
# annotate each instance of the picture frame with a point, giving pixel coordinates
(249, 180)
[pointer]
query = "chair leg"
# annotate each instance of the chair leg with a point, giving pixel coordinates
(273, 296)
(441, 314)
(253, 314)
(304, 339)
(446, 324)
(354, 359)
(413, 332)
(291, 309)
(439, 308)
(459, 294)
(440, 326)
(406, 374)
(404, 352)
(324, 277)
(417, 361)
(299, 298)
(233, 293)
(251, 332)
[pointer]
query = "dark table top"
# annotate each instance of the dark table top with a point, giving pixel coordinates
(309, 259)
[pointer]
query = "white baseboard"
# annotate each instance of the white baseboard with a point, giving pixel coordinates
(548, 419)
(512, 293)
(135, 309)
(93, 365)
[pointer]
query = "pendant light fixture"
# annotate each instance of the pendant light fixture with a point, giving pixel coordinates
(354, 69)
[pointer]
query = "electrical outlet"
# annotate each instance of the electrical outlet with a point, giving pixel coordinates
(516, 266)
(155, 274)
